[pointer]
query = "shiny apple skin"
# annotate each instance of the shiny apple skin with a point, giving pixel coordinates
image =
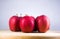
(43, 23)
(27, 24)
(14, 23)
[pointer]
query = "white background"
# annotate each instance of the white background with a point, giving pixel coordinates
(50, 8)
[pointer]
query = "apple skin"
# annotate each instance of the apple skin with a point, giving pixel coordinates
(14, 23)
(35, 28)
(43, 23)
(27, 24)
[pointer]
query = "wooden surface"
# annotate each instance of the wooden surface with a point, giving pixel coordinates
(20, 35)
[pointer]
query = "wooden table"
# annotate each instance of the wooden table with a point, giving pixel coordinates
(6, 34)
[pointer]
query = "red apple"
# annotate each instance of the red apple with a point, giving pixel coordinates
(43, 23)
(14, 23)
(27, 24)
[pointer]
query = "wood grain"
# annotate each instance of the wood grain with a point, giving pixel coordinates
(20, 35)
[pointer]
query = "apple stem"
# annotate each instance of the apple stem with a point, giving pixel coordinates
(26, 14)
(16, 14)
(20, 14)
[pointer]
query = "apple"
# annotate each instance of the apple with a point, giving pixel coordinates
(27, 24)
(14, 23)
(42, 23)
